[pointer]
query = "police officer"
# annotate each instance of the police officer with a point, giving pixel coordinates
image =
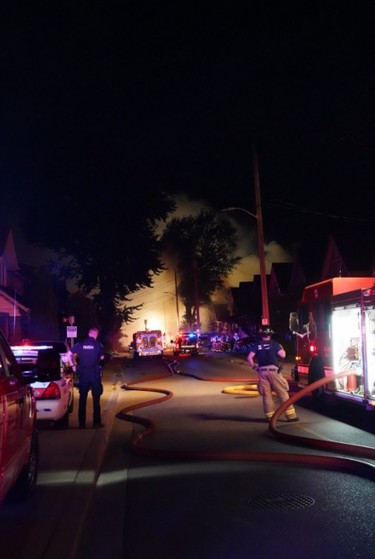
(267, 353)
(89, 356)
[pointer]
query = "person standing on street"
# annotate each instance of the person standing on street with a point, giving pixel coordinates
(89, 356)
(264, 357)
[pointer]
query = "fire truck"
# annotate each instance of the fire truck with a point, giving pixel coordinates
(148, 343)
(335, 332)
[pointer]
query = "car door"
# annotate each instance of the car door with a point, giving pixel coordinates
(3, 407)
(15, 403)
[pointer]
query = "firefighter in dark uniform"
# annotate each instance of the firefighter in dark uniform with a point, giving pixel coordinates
(264, 358)
(89, 356)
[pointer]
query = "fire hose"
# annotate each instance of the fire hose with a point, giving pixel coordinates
(342, 463)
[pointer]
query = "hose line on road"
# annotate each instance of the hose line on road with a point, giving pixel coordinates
(364, 451)
(364, 469)
(250, 390)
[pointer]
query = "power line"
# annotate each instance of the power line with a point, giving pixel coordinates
(288, 206)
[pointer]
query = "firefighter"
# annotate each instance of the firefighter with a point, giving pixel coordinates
(264, 357)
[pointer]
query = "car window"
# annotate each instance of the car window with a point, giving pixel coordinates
(48, 365)
(9, 365)
(57, 346)
(4, 372)
(190, 338)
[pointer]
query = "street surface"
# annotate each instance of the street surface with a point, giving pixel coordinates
(210, 480)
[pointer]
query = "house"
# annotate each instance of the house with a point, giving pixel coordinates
(348, 254)
(344, 254)
(285, 286)
(14, 315)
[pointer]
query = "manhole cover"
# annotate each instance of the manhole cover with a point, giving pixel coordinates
(282, 501)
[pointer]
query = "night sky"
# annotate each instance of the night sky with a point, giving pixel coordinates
(176, 94)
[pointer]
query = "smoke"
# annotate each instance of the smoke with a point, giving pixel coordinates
(160, 307)
(247, 241)
(249, 265)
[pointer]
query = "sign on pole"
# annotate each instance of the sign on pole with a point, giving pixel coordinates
(71, 331)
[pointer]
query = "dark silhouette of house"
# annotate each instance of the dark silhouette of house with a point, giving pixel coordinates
(14, 314)
(348, 254)
(285, 287)
(345, 254)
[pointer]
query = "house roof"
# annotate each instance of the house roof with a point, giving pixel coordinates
(4, 232)
(348, 253)
(283, 272)
(9, 300)
(7, 248)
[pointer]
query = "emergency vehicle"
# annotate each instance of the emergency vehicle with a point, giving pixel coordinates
(186, 342)
(148, 343)
(335, 332)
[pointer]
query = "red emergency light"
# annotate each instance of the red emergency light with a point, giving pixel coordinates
(312, 348)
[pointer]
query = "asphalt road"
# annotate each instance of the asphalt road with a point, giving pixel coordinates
(209, 480)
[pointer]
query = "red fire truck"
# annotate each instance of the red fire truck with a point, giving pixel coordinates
(335, 332)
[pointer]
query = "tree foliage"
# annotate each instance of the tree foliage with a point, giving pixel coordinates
(105, 237)
(204, 249)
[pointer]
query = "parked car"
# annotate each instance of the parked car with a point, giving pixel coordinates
(19, 448)
(49, 367)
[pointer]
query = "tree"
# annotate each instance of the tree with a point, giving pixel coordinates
(84, 312)
(203, 248)
(41, 297)
(105, 237)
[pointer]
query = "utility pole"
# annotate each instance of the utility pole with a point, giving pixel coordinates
(176, 294)
(196, 285)
(262, 258)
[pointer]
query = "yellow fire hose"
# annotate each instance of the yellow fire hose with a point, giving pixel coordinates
(250, 390)
(365, 469)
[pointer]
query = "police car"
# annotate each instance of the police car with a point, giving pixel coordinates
(48, 366)
(186, 342)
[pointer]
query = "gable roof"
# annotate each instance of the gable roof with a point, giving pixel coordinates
(7, 248)
(348, 250)
(9, 303)
(348, 253)
(281, 272)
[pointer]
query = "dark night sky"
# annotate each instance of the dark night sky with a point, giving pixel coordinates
(176, 93)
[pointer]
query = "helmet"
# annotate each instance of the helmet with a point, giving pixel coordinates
(266, 331)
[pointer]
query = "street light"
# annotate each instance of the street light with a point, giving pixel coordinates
(261, 252)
